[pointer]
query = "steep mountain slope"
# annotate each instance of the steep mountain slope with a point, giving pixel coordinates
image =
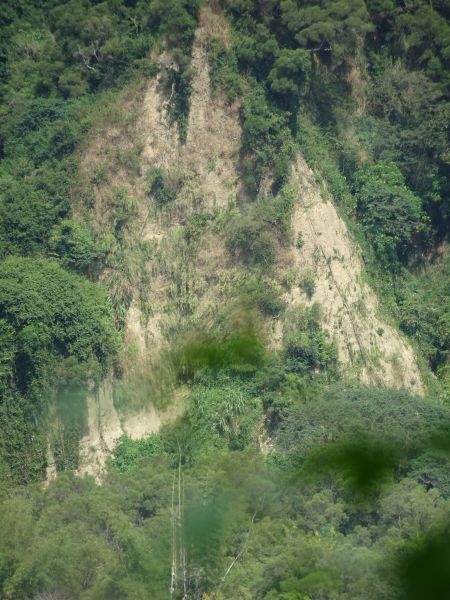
(173, 280)
(206, 172)
(224, 300)
(374, 349)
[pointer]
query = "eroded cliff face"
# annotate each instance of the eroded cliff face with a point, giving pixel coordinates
(169, 282)
(374, 349)
(106, 425)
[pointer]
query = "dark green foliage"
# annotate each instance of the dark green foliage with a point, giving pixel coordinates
(290, 72)
(177, 20)
(227, 412)
(431, 470)
(409, 123)
(224, 73)
(71, 242)
(234, 343)
(254, 235)
(182, 85)
(83, 541)
(264, 296)
(393, 415)
(327, 27)
(23, 443)
(77, 48)
(129, 452)
(306, 345)
(52, 309)
(69, 421)
(276, 212)
(195, 226)
(422, 567)
(424, 304)
(316, 147)
(249, 240)
(308, 284)
(26, 217)
(267, 141)
(362, 465)
(391, 214)
(36, 175)
(69, 50)
(364, 439)
(46, 315)
(162, 188)
(425, 35)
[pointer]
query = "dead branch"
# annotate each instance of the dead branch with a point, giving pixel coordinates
(86, 59)
(320, 48)
(241, 552)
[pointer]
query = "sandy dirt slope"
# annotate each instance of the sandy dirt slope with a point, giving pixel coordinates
(349, 306)
(214, 133)
(211, 151)
(105, 426)
(208, 167)
(207, 164)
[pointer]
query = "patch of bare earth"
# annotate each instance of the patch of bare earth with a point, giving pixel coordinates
(373, 349)
(172, 280)
(207, 165)
(207, 168)
(106, 426)
(211, 152)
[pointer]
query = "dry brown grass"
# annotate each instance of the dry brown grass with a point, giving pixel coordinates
(213, 24)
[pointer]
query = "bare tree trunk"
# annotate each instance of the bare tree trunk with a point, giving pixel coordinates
(243, 549)
(173, 578)
(178, 581)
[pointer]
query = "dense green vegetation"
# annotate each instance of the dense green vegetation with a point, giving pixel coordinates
(57, 60)
(355, 86)
(281, 480)
(48, 317)
(347, 521)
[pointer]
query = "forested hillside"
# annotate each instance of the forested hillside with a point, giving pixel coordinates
(224, 300)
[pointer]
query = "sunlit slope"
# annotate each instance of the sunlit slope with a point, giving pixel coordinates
(168, 206)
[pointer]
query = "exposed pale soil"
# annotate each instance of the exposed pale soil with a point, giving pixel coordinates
(105, 426)
(349, 306)
(207, 166)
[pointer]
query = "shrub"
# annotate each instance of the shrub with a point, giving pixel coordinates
(72, 243)
(308, 283)
(264, 296)
(228, 412)
(306, 345)
(195, 226)
(26, 218)
(267, 141)
(249, 241)
(277, 211)
(391, 213)
(162, 188)
(290, 73)
(224, 73)
(53, 311)
(129, 453)
(299, 242)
